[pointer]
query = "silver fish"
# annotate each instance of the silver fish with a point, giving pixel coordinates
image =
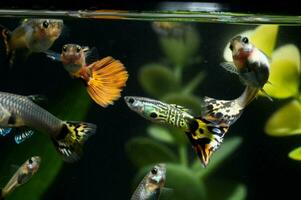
(151, 185)
(67, 136)
(21, 176)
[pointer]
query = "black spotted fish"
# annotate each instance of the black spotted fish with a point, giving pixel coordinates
(21, 176)
(206, 132)
(151, 186)
(249, 63)
(20, 114)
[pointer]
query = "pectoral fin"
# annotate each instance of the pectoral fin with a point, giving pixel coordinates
(53, 55)
(230, 67)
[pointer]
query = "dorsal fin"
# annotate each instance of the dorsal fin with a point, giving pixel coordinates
(91, 55)
(37, 98)
(180, 107)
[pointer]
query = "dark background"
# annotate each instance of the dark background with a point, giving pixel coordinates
(104, 172)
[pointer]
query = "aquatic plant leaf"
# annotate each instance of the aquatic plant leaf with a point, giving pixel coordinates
(160, 133)
(264, 38)
(144, 151)
(178, 135)
(295, 154)
(228, 190)
(285, 121)
(224, 152)
(41, 145)
(182, 181)
(193, 84)
(157, 80)
(239, 193)
(189, 101)
(285, 72)
(181, 50)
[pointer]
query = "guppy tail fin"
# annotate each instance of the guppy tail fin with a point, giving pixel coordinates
(221, 112)
(206, 138)
(108, 77)
(69, 142)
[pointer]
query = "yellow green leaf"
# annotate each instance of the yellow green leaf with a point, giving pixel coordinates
(285, 72)
(157, 79)
(286, 121)
(264, 38)
(295, 154)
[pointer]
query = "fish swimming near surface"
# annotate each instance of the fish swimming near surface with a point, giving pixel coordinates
(5, 54)
(249, 63)
(21, 176)
(21, 115)
(205, 132)
(34, 35)
(170, 29)
(151, 186)
(104, 78)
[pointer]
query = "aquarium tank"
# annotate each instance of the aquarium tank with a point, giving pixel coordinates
(181, 101)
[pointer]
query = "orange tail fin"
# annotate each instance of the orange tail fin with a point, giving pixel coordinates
(108, 77)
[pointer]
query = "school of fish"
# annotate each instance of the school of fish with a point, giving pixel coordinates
(104, 79)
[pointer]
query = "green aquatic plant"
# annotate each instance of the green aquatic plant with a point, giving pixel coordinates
(283, 83)
(185, 176)
(41, 145)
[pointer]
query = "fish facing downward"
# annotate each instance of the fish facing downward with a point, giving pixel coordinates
(104, 78)
(21, 176)
(250, 63)
(206, 132)
(17, 112)
(151, 185)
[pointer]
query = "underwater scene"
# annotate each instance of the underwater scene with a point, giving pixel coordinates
(106, 108)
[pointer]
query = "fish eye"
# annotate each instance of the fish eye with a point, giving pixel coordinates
(231, 47)
(78, 48)
(245, 40)
(153, 115)
(46, 24)
(64, 49)
(131, 100)
(154, 171)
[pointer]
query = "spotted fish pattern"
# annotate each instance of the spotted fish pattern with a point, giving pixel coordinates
(205, 135)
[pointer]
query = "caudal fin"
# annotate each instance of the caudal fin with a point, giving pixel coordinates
(221, 112)
(108, 77)
(205, 138)
(69, 143)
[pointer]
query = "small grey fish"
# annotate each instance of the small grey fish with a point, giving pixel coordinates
(151, 185)
(21, 176)
(18, 111)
